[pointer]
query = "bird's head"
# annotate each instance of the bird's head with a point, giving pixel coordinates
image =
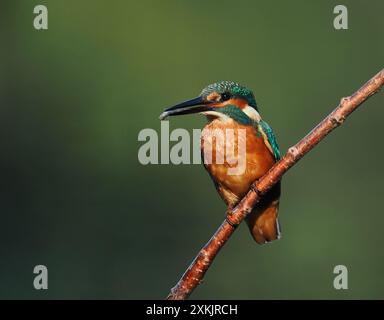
(223, 100)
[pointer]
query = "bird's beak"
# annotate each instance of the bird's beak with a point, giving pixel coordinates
(191, 106)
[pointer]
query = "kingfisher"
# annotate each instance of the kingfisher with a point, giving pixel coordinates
(229, 105)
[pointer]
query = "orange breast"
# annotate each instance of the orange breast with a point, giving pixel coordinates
(233, 184)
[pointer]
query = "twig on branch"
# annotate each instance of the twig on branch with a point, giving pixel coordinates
(195, 272)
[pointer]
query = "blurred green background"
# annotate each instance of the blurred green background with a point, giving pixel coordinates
(75, 198)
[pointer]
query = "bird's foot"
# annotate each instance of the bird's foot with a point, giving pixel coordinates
(228, 217)
(229, 211)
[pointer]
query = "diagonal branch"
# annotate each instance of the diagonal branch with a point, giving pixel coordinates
(196, 271)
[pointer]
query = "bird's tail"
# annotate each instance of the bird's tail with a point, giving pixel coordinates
(263, 221)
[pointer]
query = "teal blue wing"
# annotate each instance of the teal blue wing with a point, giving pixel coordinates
(267, 130)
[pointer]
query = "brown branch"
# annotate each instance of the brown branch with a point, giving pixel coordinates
(195, 272)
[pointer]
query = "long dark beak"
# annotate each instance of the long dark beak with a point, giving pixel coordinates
(191, 106)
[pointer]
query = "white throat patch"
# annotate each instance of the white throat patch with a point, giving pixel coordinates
(216, 114)
(252, 113)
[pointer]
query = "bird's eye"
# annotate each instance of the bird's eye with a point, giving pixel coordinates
(225, 96)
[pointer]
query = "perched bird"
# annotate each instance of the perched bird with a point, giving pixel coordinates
(229, 105)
